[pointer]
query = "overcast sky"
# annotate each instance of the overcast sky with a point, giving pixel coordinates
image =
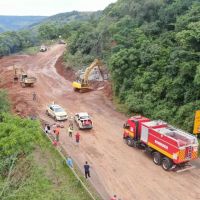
(50, 7)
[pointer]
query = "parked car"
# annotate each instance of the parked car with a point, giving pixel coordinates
(83, 120)
(43, 48)
(57, 112)
(61, 42)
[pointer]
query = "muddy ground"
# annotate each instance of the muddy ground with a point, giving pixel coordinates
(116, 168)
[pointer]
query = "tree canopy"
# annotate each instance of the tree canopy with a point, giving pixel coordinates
(152, 49)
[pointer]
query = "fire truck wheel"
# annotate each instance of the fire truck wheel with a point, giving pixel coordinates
(157, 158)
(166, 164)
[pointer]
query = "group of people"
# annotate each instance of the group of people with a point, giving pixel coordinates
(86, 166)
(56, 131)
(69, 161)
(70, 132)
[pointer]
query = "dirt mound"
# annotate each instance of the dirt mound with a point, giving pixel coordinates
(67, 72)
(96, 85)
(6, 79)
(22, 108)
(108, 90)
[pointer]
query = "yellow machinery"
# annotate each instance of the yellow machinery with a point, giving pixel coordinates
(83, 84)
(196, 129)
(15, 74)
(24, 79)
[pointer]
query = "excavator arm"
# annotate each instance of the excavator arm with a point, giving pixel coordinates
(95, 63)
(83, 84)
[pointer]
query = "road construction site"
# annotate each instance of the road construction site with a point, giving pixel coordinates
(115, 167)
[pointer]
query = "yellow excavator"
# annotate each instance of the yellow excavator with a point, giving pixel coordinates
(82, 85)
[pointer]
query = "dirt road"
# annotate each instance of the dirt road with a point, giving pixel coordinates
(116, 168)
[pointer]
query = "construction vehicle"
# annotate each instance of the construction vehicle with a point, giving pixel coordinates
(170, 147)
(57, 112)
(82, 85)
(61, 41)
(24, 79)
(27, 81)
(83, 120)
(15, 74)
(43, 48)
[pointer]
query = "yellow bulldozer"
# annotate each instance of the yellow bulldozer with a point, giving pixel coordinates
(82, 85)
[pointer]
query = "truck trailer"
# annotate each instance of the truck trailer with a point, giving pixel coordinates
(169, 146)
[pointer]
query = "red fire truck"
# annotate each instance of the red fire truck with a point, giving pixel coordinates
(168, 145)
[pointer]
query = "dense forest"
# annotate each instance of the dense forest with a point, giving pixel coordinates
(151, 48)
(12, 42)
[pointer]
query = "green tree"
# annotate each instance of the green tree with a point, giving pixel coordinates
(17, 136)
(48, 31)
(4, 102)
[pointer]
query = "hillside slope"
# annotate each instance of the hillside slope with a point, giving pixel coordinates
(14, 23)
(65, 18)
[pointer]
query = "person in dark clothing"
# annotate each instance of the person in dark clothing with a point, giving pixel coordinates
(87, 169)
(47, 128)
(34, 96)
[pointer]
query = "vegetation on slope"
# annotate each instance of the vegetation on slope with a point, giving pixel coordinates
(65, 18)
(11, 42)
(29, 167)
(152, 50)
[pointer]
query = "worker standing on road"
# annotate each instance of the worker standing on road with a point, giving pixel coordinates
(77, 136)
(71, 121)
(34, 96)
(57, 132)
(69, 162)
(47, 129)
(70, 130)
(87, 170)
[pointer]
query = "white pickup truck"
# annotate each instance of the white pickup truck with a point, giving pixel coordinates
(83, 120)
